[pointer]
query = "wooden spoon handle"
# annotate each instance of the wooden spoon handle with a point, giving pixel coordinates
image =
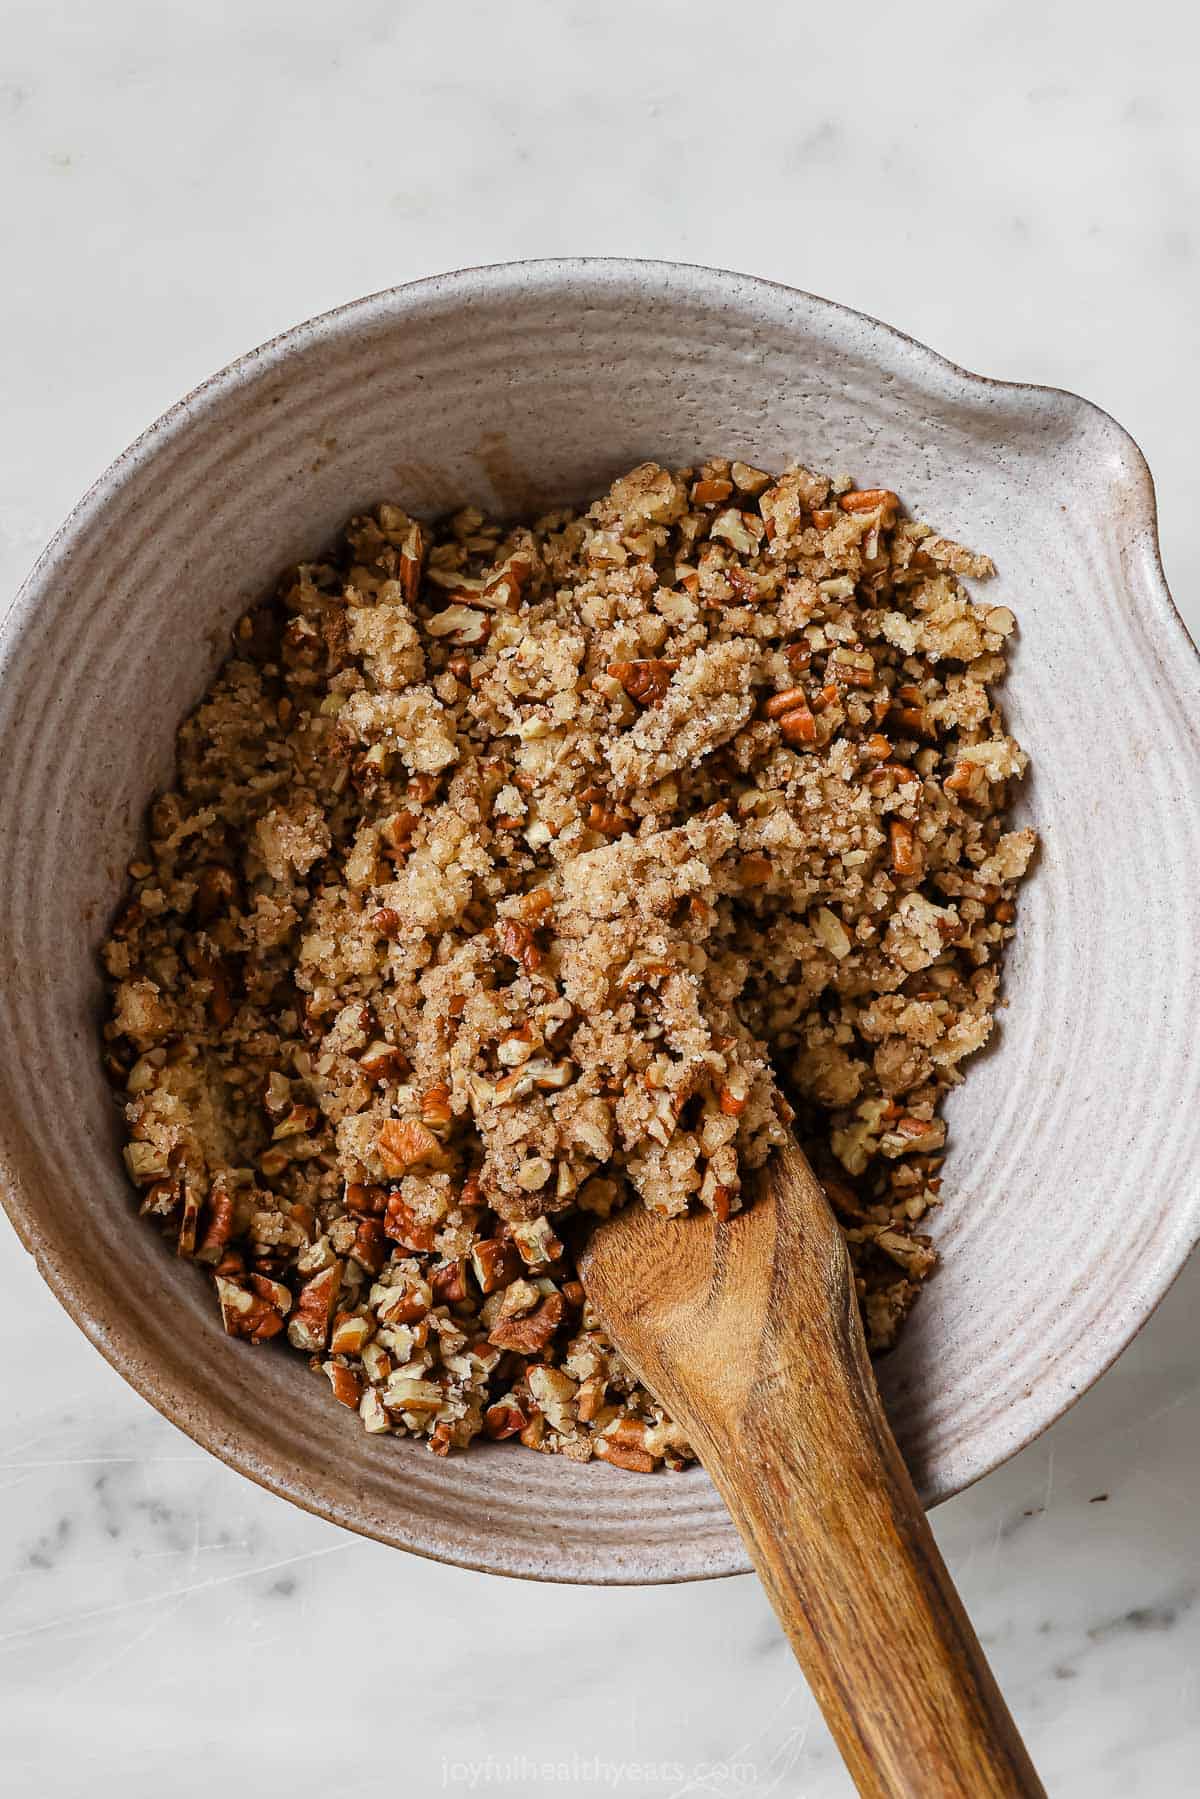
(840, 1541)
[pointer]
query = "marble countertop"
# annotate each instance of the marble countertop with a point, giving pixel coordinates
(1014, 184)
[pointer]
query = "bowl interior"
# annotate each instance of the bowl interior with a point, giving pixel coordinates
(1071, 1195)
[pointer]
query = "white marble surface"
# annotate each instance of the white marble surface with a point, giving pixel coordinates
(1016, 184)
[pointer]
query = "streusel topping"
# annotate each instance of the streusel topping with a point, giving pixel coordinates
(515, 872)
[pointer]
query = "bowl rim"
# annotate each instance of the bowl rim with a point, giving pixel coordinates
(273, 353)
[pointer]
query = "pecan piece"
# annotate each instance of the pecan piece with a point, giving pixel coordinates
(722, 1203)
(404, 1141)
(347, 1386)
(412, 558)
(504, 1419)
(872, 499)
(247, 1314)
(404, 1227)
(369, 1247)
(220, 1000)
(636, 1461)
(798, 726)
(530, 1333)
(905, 850)
(733, 1094)
(496, 1263)
(368, 1202)
(711, 493)
(407, 1303)
(351, 1333)
(449, 1283)
(516, 940)
(382, 1062)
(537, 1242)
(435, 1106)
(645, 680)
(308, 1328)
(788, 701)
(219, 1228)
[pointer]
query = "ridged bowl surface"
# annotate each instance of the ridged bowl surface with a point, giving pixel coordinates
(1073, 1184)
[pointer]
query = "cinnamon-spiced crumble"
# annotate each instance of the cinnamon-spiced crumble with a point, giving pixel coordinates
(512, 873)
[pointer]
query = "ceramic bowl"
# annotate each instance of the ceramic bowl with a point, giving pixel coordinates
(1072, 1191)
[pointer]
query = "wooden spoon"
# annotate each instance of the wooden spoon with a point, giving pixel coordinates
(749, 1333)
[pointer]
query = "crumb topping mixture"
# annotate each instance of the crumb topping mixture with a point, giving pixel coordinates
(515, 873)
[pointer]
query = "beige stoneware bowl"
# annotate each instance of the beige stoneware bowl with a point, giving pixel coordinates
(1073, 1184)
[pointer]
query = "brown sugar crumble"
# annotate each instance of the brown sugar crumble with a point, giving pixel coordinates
(515, 872)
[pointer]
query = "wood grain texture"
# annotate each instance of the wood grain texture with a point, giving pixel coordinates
(749, 1334)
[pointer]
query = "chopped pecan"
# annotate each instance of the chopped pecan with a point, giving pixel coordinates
(347, 1386)
(219, 1228)
(788, 701)
(504, 1419)
(590, 1398)
(407, 1303)
(733, 1094)
(531, 1333)
(967, 781)
(189, 1219)
(298, 1121)
(537, 1242)
(402, 1142)
(905, 850)
(247, 1314)
(351, 1333)
(744, 584)
(635, 1461)
(397, 834)
(369, 1247)
(220, 1000)
(369, 1202)
(645, 680)
(435, 1106)
(404, 1227)
(449, 1283)
(711, 493)
(749, 479)
(382, 1062)
(798, 726)
(412, 558)
(722, 1203)
(460, 624)
(516, 940)
(872, 499)
(495, 1263)
(536, 903)
(308, 1328)
(610, 821)
(423, 787)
